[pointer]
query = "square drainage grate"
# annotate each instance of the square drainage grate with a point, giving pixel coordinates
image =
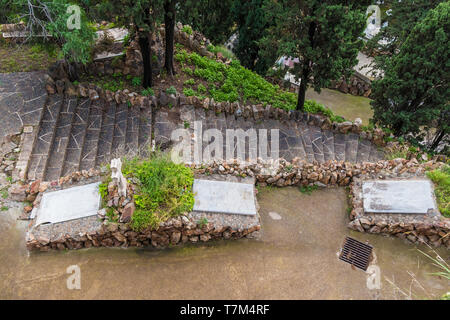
(356, 253)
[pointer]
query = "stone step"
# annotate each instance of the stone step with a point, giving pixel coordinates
(328, 145)
(351, 147)
(62, 134)
(375, 154)
(316, 141)
(145, 131)
(106, 134)
(77, 136)
(45, 137)
(132, 133)
(307, 144)
(90, 146)
(339, 146)
(363, 151)
(120, 130)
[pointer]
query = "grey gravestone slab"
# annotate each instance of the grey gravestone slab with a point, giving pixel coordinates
(399, 196)
(224, 197)
(69, 204)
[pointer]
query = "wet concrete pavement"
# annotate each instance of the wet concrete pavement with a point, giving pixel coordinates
(296, 258)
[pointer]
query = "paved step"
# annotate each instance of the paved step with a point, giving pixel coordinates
(363, 151)
(77, 136)
(145, 131)
(106, 134)
(45, 137)
(90, 146)
(307, 144)
(328, 145)
(316, 141)
(351, 147)
(339, 146)
(120, 130)
(132, 133)
(62, 135)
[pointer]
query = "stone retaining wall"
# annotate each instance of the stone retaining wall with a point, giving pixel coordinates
(99, 231)
(432, 230)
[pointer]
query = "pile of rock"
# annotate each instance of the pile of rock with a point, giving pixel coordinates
(283, 173)
(357, 85)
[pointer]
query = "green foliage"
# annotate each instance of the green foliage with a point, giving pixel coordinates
(189, 82)
(253, 23)
(164, 190)
(210, 17)
(202, 222)
(189, 92)
(441, 179)
(136, 81)
(223, 50)
(187, 29)
(201, 88)
(308, 189)
(324, 35)
(404, 16)
(171, 90)
(148, 92)
(413, 95)
(75, 44)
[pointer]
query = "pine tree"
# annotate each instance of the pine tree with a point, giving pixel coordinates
(414, 92)
(324, 35)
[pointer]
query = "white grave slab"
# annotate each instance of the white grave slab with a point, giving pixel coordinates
(399, 196)
(224, 197)
(69, 204)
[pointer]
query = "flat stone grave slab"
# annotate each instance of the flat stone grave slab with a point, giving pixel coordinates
(399, 196)
(224, 197)
(69, 204)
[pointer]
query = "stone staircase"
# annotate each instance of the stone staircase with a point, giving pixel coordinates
(296, 138)
(76, 134)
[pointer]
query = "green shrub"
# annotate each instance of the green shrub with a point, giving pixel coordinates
(441, 179)
(189, 92)
(201, 88)
(187, 29)
(136, 82)
(164, 190)
(171, 90)
(189, 82)
(148, 92)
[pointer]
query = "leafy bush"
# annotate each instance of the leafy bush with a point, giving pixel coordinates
(171, 90)
(164, 190)
(187, 29)
(441, 179)
(189, 92)
(189, 82)
(223, 50)
(148, 92)
(136, 82)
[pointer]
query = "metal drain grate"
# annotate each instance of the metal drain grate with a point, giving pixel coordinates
(356, 253)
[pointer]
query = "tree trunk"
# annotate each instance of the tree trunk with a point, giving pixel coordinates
(302, 90)
(145, 45)
(169, 21)
(437, 139)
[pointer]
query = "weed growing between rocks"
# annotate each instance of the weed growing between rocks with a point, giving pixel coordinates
(441, 179)
(163, 190)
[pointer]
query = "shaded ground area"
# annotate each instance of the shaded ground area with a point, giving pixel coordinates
(296, 259)
(26, 57)
(345, 105)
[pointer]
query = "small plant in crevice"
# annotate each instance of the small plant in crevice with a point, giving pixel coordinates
(171, 90)
(308, 189)
(148, 92)
(202, 222)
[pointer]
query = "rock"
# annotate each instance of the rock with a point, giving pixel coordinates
(127, 213)
(175, 237)
(18, 192)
